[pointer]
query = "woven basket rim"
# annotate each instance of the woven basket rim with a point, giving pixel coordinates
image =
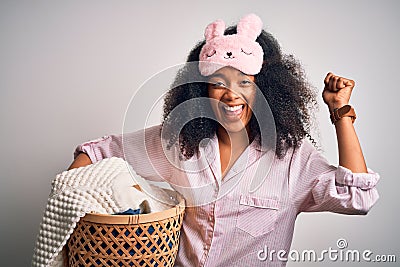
(136, 219)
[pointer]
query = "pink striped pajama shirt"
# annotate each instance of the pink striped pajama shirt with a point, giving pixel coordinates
(225, 224)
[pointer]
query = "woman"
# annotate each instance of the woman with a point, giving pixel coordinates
(213, 160)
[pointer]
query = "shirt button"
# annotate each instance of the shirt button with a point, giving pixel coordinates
(210, 218)
(205, 247)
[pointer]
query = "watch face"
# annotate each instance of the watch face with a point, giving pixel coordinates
(343, 110)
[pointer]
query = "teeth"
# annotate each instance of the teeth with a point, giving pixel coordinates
(233, 108)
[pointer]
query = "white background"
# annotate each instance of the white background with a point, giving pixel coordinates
(68, 70)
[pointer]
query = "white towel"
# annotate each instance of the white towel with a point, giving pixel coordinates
(104, 187)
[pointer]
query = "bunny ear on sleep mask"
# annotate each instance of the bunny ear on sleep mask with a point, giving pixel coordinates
(240, 50)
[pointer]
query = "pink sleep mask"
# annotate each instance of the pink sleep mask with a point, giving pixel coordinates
(240, 50)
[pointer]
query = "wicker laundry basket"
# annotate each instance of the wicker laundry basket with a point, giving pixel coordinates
(127, 240)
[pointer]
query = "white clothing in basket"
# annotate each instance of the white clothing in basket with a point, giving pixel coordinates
(104, 187)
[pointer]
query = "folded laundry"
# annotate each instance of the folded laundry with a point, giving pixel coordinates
(129, 212)
(104, 187)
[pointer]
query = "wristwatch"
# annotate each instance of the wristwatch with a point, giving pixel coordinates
(345, 111)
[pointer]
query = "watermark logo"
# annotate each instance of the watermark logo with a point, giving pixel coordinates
(191, 113)
(341, 243)
(340, 253)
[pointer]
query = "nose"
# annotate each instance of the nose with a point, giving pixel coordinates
(229, 54)
(231, 94)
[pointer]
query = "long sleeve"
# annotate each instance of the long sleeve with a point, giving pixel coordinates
(328, 188)
(141, 149)
(105, 147)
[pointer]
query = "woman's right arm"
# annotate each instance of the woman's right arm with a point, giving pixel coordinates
(143, 151)
(98, 149)
(80, 161)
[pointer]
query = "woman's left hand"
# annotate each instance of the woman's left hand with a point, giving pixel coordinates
(337, 91)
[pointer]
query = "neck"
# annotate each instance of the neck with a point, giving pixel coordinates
(235, 140)
(231, 146)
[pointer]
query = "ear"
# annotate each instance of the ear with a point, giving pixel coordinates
(214, 29)
(250, 26)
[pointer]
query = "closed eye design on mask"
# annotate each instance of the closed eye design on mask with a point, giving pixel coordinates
(212, 53)
(226, 50)
(247, 53)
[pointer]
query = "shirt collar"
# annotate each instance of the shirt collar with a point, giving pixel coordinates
(251, 154)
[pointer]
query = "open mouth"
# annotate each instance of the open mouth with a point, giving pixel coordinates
(232, 112)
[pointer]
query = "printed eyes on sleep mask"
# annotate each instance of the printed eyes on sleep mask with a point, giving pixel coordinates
(240, 50)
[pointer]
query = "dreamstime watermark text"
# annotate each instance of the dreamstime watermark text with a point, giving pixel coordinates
(340, 253)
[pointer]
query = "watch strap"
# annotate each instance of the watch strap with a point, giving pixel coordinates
(345, 111)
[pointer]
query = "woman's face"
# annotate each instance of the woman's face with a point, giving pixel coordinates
(235, 94)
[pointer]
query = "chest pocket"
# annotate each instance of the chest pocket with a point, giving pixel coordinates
(257, 216)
